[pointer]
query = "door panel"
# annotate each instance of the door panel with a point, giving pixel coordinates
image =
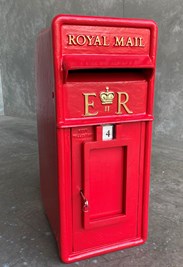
(105, 171)
(109, 175)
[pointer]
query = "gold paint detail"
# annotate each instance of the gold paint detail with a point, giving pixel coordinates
(140, 42)
(88, 104)
(71, 40)
(123, 103)
(104, 40)
(129, 42)
(119, 42)
(90, 38)
(97, 41)
(105, 43)
(107, 108)
(81, 40)
(107, 97)
(136, 41)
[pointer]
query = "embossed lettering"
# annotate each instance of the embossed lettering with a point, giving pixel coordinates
(123, 103)
(103, 40)
(97, 41)
(140, 42)
(119, 42)
(129, 42)
(105, 43)
(71, 40)
(89, 104)
(136, 41)
(81, 39)
(90, 38)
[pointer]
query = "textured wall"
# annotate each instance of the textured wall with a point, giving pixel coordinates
(1, 97)
(169, 78)
(21, 21)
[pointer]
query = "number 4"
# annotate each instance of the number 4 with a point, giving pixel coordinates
(108, 133)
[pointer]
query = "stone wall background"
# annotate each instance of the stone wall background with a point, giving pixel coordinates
(22, 20)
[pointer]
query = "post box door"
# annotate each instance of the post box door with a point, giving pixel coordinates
(108, 175)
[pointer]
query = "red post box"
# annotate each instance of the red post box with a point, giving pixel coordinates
(95, 90)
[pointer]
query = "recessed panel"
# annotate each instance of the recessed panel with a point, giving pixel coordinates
(106, 99)
(111, 40)
(107, 174)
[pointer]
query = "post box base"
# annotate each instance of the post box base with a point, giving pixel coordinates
(100, 251)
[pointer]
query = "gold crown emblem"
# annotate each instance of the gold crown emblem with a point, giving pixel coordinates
(107, 97)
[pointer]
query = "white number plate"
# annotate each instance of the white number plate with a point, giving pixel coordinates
(107, 132)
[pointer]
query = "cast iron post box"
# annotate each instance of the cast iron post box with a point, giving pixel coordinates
(95, 90)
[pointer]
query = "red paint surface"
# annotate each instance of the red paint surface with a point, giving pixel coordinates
(113, 175)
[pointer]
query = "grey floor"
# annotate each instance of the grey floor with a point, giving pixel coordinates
(25, 237)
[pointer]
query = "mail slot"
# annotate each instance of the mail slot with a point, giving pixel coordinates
(95, 92)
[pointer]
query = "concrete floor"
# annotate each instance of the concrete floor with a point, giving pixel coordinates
(25, 237)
